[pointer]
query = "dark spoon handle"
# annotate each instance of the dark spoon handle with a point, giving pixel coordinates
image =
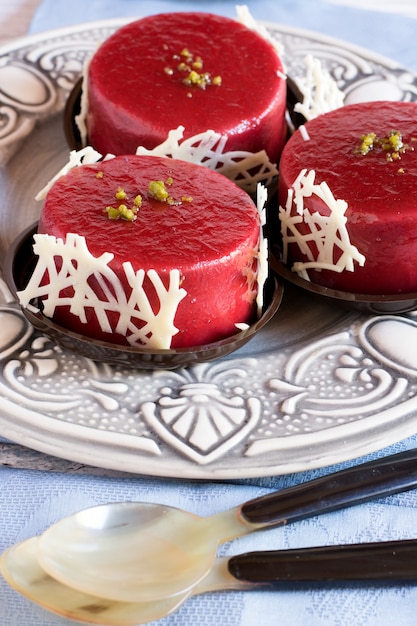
(394, 561)
(381, 477)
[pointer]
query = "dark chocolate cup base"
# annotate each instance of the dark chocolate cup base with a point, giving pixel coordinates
(381, 304)
(19, 264)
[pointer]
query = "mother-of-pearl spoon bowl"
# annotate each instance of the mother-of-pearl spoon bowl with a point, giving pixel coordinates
(137, 552)
(394, 561)
(20, 568)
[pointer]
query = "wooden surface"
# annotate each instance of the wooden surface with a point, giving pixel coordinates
(19, 457)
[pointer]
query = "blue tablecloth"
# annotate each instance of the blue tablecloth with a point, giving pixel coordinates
(388, 34)
(32, 500)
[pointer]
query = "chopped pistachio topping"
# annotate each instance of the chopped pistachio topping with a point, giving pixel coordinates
(192, 67)
(197, 64)
(122, 211)
(112, 213)
(158, 190)
(121, 194)
(392, 145)
(367, 143)
(129, 214)
(186, 53)
(183, 67)
(194, 78)
(393, 142)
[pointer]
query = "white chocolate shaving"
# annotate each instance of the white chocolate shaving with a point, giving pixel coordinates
(245, 17)
(242, 326)
(304, 133)
(263, 266)
(327, 232)
(76, 158)
(320, 91)
(137, 322)
(246, 169)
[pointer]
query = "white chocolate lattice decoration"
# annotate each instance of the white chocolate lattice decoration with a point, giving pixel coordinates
(76, 158)
(263, 267)
(137, 321)
(320, 91)
(328, 232)
(245, 17)
(246, 169)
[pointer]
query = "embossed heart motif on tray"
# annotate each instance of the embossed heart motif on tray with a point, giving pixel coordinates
(199, 420)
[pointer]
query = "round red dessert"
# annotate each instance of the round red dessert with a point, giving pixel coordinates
(152, 215)
(196, 70)
(366, 155)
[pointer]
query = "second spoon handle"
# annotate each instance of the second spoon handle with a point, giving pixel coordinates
(381, 477)
(394, 561)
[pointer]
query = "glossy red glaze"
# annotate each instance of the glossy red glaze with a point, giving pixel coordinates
(133, 101)
(381, 194)
(212, 240)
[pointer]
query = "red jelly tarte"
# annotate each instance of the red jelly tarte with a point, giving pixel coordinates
(347, 200)
(148, 251)
(193, 70)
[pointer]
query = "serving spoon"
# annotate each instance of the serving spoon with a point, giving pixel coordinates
(135, 552)
(388, 562)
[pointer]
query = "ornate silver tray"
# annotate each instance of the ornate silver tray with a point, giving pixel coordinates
(318, 385)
